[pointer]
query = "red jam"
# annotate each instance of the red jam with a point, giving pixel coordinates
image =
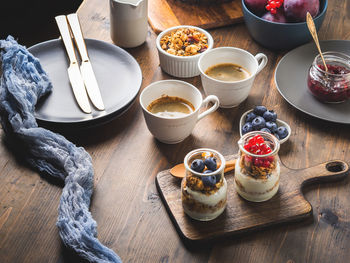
(332, 86)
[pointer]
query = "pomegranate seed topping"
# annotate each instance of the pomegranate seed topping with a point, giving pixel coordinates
(259, 139)
(257, 145)
(270, 158)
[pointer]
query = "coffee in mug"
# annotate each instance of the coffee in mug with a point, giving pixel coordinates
(170, 106)
(227, 72)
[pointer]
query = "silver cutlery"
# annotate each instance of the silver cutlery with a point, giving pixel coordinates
(74, 75)
(86, 70)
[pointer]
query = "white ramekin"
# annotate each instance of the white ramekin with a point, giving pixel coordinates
(178, 66)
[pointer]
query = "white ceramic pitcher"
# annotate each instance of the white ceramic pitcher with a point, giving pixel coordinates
(128, 21)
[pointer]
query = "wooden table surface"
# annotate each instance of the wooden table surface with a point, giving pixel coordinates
(126, 205)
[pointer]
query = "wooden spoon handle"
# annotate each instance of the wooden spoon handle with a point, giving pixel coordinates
(230, 165)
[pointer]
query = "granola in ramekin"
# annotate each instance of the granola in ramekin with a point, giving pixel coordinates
(184, 42)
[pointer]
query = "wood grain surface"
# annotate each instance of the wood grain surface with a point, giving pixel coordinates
(241, 216)
(163, 14)
(131, 217)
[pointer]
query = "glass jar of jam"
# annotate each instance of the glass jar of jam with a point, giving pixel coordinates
(257, 170)
(204, 188)
(332, 86)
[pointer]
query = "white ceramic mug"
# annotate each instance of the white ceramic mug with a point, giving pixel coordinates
(230, 93)
(128, 22)
(174, 130)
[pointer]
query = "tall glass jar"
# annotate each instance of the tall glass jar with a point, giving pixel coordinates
(257, 170)
(204, 188)
(332, 86)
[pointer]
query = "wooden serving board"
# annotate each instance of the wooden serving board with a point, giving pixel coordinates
(163, 14)
(242, 216)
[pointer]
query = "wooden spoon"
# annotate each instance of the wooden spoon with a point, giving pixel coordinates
(313, 32)
(179, 170)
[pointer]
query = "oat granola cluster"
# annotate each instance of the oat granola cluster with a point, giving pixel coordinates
(196, 184)
(184, 42)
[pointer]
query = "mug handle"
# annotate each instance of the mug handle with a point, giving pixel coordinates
(210, 98)
(263, 62)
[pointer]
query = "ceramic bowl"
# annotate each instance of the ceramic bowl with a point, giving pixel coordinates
(278, 122)
(178, 66)
(280, 36)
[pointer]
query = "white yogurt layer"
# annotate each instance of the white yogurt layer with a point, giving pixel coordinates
(256, 190)
(212, 199)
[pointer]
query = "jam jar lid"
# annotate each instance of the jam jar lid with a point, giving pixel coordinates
(333, 58)
(273, 139)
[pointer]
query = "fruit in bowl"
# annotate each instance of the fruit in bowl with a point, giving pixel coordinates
(262, 119)
(296, 10)
(274, 29)
(256, 6)
(284, 11)
(278, 17)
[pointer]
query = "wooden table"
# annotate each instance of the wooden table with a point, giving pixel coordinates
(131, 217)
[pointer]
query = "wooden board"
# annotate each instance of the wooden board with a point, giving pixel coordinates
(240, 215)
(163, 14)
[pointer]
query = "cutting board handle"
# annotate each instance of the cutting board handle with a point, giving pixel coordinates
(325, 172)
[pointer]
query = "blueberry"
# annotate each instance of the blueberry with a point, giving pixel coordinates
(265, 130)
(250, 116)
(197, 165)
(209, 180)
(270, 115)
(258, 123)
(207, 171)
(259, 110)
(272, 126)
(248, 127)
(210, 163)
(282, 132)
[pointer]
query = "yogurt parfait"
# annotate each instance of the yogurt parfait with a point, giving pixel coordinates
(257, 171)
(204, 188)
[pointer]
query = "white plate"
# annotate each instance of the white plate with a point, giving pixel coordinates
(278, 122)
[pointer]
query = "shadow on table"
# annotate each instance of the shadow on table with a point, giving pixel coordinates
(87, 135)
(31, 22)
(69, 255)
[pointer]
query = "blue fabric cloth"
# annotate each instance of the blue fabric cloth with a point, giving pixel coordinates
(22, 83)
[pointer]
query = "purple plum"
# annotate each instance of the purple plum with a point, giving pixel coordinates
(295, 10)
(279, 17)
(256, 6)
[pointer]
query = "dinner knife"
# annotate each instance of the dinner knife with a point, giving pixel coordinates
(74, 75)
(85, 67)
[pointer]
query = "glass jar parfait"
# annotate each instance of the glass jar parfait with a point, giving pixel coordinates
(257, 170)
(332, 86)
(204, 188)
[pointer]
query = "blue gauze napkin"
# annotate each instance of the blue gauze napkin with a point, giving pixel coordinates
(22, 83)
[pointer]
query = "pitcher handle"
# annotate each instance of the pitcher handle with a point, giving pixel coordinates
(263, 62)
(210, 98)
